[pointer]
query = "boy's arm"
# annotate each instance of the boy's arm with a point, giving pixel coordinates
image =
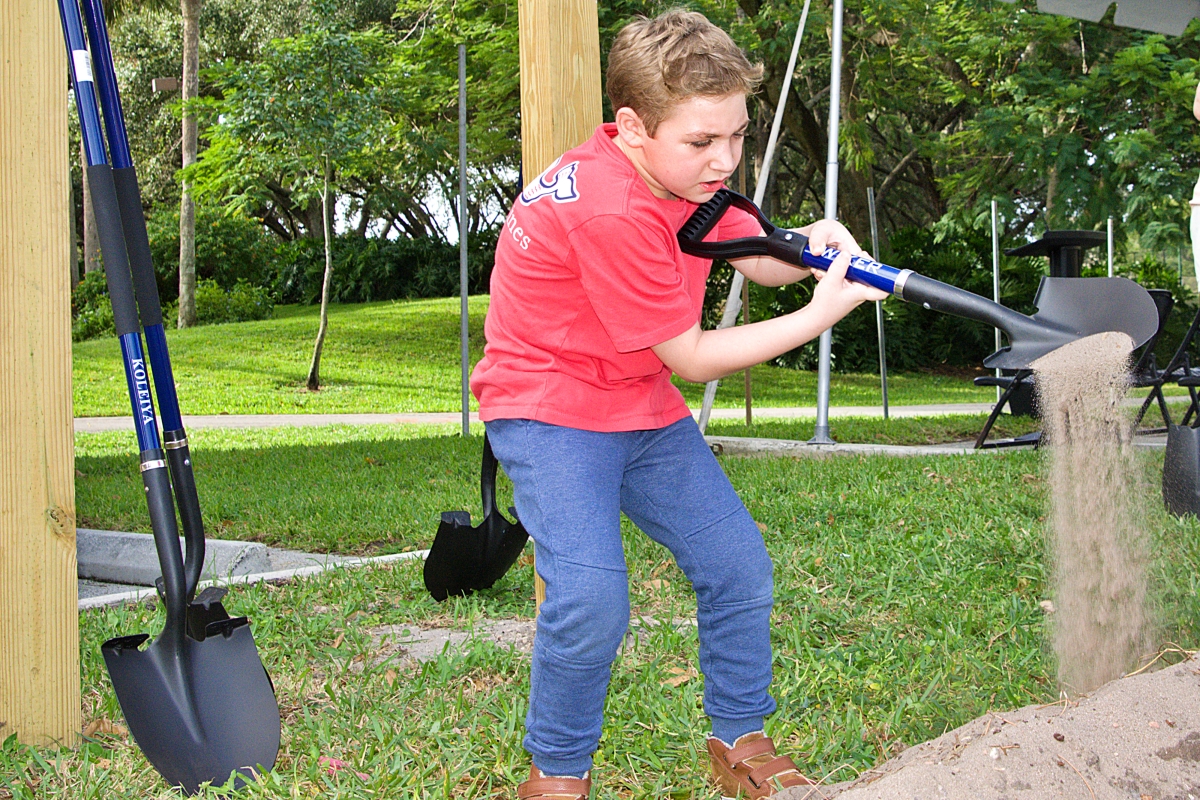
(701, 356)
(767, 271)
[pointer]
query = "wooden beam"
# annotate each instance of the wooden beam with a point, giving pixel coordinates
(560, 91)
(560, 79)
(39, 617)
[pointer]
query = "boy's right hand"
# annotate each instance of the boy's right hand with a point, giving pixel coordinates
(835, 295)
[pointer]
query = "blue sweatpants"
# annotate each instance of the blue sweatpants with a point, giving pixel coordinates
(570, 487)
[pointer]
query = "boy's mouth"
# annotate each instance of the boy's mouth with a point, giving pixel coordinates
(712, 186)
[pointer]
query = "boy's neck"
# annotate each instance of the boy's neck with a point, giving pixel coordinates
(633, 154)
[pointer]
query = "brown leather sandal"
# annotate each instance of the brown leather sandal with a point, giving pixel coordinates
(751, 769)
(554, 788)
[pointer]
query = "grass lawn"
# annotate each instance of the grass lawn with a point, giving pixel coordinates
(402, 357)
(377, 488)
(907, 594)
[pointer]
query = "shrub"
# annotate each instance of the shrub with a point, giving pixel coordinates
(229, 250)
(370, 269)
(91, 313)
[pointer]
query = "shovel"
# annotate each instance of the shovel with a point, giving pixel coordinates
(1068, 308)
(200, 708)
(463, 559)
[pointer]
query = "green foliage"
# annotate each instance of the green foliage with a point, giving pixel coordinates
(91, 313)
(370, 269)
(230, 248)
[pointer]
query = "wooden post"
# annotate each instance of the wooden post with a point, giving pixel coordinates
(560, 89)
(39, 616)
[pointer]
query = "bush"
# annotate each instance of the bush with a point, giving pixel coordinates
(91, 313)
(93, 317)
(229, 250)
(370, 269)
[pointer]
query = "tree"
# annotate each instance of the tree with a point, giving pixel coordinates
(190, 12)
(306, 116)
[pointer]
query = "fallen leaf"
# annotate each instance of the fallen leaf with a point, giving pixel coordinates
(390, 677)
(338, 641)
(106, 727)
(657, 584)
(761, 527)
(679, 676)
(818, 561)
(1047, 606)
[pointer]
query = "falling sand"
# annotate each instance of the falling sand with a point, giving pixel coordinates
(1098, 546)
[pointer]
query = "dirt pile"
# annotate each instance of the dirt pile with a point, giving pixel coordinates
(1137, 737)
(1098, 549)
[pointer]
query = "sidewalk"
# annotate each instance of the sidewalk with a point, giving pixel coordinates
(100, 424)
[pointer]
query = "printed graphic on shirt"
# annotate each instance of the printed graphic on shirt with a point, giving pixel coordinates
(560, 188)
(516, 231)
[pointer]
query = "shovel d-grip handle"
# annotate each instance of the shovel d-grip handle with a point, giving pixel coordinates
(487, 479)
(781, 243)
(905, 284)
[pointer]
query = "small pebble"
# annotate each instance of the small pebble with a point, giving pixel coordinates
(995, 753)
(1058, 737)
(1153, 724)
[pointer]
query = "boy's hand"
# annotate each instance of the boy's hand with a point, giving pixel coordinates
(835, 296)
(830, 233)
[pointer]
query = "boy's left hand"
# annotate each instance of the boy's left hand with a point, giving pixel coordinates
(830, 233)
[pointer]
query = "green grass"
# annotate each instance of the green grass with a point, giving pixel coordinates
(907, 595)
(402, 357)
(377, 488)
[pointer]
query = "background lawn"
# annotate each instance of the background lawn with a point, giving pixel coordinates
(375, 488)
(402, 356)
(907, 594)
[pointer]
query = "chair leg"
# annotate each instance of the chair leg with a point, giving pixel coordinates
(1193, 409)
(1162, 405)
(991, 420)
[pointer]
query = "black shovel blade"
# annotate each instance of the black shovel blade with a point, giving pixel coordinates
(199, 710)
(463, 559)
(1072, 308)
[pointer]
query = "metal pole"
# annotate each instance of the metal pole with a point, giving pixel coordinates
(462, 234)
(1110, 248)
(746, 305)
(733, 303)
(821, 431)
(878, 303)
(996, 279)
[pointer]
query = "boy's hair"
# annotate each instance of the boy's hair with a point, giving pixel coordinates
(655, 64)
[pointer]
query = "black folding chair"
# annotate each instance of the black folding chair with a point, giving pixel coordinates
(1019, 389)
(1146, 373)
(1018, 393)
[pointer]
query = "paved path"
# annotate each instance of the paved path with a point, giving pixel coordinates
(98, 424)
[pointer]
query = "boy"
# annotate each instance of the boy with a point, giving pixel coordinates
(593, 306)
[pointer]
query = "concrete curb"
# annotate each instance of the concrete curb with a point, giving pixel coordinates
(747, 446)
(122, 557)
(135, 595)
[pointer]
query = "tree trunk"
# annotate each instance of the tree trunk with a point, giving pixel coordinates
(91, 237)
(190, 10)
(314, 372)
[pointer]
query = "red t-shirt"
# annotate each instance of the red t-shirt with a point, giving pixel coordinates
(588, 277)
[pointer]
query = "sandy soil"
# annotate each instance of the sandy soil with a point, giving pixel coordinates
(1136, 737)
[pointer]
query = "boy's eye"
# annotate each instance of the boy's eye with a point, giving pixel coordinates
(700, 145)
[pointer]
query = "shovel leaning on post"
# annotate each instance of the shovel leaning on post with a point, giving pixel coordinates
(1068, 308)
(465, 559)
(197, 699)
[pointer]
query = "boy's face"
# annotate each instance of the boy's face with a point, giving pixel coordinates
(694, 149)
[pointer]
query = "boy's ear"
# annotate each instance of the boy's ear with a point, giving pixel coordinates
(630, 127)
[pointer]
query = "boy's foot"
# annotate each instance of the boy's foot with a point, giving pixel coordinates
(750, 769)
(540, 787)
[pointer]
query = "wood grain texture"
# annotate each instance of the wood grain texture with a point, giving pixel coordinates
(39, 618)
(560, 90)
